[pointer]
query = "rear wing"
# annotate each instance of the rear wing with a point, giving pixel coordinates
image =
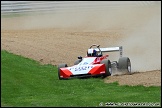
(111, 49)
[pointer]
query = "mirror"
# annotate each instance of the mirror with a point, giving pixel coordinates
(79, 57)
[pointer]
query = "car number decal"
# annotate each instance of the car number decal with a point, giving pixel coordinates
(80, 69)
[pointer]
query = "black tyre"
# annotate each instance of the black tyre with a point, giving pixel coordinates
(124, 64)
(77, 62)
(61, 66)
(108, 67)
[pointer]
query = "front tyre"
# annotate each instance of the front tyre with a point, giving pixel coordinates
(108, 67)
(61, 66)
(77, 62)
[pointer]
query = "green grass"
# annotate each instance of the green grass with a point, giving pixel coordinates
(24, 14)
(25, 82)
(12, 15)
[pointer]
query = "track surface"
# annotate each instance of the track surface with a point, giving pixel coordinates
(54, 45)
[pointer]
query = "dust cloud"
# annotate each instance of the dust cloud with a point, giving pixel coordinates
(139, 29)
(142, 40)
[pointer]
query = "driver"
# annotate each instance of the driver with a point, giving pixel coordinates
(92, 53)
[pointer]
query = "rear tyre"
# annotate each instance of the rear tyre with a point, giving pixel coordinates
(124, 64)
(108, 67)
(61, 66)
(77, 62)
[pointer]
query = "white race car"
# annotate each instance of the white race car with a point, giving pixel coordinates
(95, 64)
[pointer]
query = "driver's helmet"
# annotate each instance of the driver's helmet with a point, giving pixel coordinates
(91, 53)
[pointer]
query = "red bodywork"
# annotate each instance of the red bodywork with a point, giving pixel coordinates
(89, 66)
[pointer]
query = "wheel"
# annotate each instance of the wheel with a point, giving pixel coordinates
(77, 62)
(61, 66)
(124, 64)
(108, 67)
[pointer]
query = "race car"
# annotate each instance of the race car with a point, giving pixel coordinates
(95, 64)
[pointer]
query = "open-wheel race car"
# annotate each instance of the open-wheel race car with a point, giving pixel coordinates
(95, 64)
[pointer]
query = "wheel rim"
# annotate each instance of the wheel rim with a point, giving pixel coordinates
(110, 70)
(129, 67)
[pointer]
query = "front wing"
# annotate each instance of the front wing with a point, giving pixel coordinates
(92, 70)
